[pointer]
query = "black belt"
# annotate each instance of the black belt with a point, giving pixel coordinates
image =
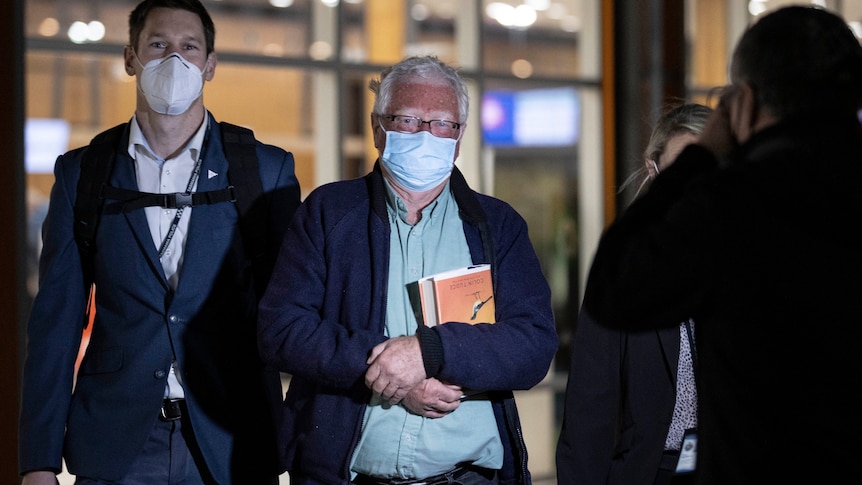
(442, 479)
(172, 409)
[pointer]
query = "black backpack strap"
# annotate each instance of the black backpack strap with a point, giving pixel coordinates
(133, 199)
(246, 190)
(96, 165)
(240, 148)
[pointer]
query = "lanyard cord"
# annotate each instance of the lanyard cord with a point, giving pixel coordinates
(193, 178)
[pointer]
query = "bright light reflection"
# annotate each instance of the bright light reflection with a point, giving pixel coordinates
(499, 11)
(525, 16)
(756, 7)
(95, 31)
(78, 32)
(49, 27)
(522, 68)
(521, 16)
(539, 5)
(281, 3)
(419, 12)
(320, 50)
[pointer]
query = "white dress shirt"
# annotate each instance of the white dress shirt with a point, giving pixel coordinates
(157, 175)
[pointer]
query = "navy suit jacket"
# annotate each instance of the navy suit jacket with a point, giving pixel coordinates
(619, 403)
(208, 323)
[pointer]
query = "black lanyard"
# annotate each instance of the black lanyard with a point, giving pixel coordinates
(193, 178)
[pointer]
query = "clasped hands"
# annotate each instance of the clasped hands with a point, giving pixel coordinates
(397, 373)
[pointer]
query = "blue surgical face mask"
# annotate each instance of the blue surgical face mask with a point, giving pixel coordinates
(418, 161)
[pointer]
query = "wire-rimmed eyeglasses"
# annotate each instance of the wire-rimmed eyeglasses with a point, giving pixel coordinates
(413, 124)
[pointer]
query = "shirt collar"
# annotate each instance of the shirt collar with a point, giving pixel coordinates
(397, 208)
(136, 139)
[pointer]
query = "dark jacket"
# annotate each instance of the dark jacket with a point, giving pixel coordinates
(325, 310)
(765, 256)
(619, 402)
(210, 319)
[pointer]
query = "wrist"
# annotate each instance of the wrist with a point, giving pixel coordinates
(432, 350)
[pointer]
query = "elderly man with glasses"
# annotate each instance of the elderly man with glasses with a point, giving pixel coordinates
(376, 396)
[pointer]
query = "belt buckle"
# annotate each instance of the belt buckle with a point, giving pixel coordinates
(171, 410)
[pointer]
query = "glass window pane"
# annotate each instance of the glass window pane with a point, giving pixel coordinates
(279, 110)
(532, 133)
(535, 38)
(257, 27)
(384, 31)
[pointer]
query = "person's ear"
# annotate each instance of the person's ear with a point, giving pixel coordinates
(212, 60)
(651, 167)
(460, 137)
(129, 60)
(745, 112)
(377, 132)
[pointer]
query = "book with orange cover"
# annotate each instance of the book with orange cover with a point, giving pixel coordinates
(460, 295)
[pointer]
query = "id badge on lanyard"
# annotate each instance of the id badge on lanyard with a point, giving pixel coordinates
(687, 452)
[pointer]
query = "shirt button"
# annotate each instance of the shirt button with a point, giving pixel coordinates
(159, 374)
(173, 319)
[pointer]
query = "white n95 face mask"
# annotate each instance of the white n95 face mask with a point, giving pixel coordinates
(171, 84)
(418, 161)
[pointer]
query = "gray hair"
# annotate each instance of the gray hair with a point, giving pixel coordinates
(429, 69)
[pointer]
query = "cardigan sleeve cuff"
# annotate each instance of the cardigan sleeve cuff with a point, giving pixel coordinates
(432, 350)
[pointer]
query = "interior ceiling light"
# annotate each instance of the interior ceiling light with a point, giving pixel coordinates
(519, 17)
(756, 7)
(539, 5)
(49, 27)
(80, 32)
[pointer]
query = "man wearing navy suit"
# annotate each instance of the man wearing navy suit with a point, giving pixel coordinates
(171, 388)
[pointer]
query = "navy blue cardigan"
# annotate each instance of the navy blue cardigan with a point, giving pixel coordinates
(325, 310)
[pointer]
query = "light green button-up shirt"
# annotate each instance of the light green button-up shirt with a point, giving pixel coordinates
(394, 442)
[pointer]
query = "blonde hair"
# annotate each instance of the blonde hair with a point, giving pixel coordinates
(683, 118)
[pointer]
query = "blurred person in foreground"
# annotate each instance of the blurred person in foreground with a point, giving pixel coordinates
(751, 233)
(375, 396)
(631, 398)
(171, 389)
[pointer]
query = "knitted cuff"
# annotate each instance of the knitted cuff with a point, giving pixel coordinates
(432, 350)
